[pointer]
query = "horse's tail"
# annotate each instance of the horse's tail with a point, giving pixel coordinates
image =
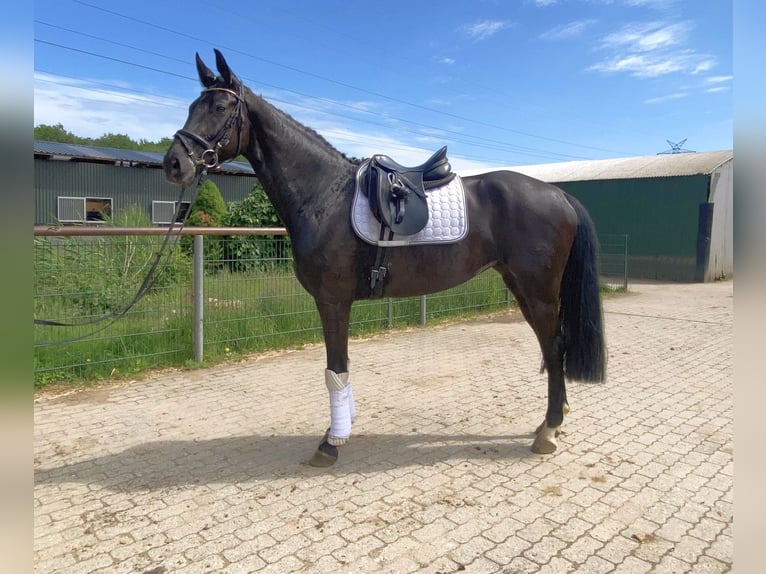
(582, 319)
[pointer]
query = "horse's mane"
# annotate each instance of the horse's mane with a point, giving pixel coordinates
(309, 133)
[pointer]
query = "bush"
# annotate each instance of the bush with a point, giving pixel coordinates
(208, 210)
(243, 252)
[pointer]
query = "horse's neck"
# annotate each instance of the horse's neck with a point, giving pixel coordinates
(298, 169)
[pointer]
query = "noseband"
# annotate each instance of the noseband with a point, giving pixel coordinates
(209, 157)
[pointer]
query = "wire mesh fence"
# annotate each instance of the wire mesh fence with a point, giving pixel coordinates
(250, 301)
(613, 260)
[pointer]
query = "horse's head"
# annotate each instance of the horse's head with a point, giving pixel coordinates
(214, 131)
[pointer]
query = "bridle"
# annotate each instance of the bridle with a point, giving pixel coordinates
(208, 159)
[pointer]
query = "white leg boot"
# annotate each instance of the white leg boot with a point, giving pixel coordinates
(342, 407)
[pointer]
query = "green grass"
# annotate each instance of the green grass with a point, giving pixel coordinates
(244, 312)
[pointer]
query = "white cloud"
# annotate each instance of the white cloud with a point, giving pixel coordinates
(545, 3)
(709, 85)
(485, 29)
(570, 30)
(647, 37)
(719, 79)
(704, 65)
(652, 49)
(657, 4)
(447, 61)
(660, 99)
(89, 110)
(638, 65)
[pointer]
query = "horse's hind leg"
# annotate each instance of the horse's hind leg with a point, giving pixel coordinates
(542, 314)
(553, 355)
(335, 323)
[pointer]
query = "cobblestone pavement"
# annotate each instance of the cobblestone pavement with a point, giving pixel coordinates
(204, 471)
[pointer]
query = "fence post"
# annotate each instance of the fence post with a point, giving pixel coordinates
(625, 266)
(198, 290)
(422, 309)
(390, 313)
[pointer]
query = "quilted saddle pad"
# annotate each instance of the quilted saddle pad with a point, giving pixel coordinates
(447, 217)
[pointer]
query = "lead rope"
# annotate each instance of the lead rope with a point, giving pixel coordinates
(147, 283)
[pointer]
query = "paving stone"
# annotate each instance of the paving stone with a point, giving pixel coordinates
(199, 471)
(632, 565)
(689, 549)
(542, 551)
(671, 564)
(595, 565)
(722, 549)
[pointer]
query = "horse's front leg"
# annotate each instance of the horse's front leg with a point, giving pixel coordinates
(335, 320)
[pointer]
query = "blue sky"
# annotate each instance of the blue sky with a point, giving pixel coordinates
(502, 83)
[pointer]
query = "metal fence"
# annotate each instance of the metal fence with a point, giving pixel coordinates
(613, 260)
(220, 294)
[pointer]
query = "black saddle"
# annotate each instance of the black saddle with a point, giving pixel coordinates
(397, 193)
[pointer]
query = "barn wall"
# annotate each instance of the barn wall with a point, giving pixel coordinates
(659, 215)
(721, 254)
(125, 185)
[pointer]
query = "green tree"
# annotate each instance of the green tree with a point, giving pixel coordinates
(156, 147)
(117, 141)
(55, 133)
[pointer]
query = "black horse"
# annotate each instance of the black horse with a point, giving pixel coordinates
(540, 239)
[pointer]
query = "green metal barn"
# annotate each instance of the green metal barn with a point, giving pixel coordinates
(676, 209)
(77, 184)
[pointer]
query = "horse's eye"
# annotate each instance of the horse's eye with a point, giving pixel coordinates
(220, 109)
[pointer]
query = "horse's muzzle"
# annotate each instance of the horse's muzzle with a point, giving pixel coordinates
(178, 166)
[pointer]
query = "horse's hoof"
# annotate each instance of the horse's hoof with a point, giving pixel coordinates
(325, 455)
(545, 441)
(541, 426)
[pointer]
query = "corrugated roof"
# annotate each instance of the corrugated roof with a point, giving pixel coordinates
(648, 166)
(114, 154)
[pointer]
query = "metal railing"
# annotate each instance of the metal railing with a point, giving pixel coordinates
(221, 293)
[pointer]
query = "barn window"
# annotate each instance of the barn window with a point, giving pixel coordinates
(163, 211)
(84, 209)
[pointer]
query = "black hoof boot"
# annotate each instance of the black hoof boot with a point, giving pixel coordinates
(325, 455)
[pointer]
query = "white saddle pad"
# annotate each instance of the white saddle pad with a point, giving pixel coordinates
(447, 217)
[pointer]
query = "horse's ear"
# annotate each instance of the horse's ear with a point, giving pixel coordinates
(206, 76)
(223, 67)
